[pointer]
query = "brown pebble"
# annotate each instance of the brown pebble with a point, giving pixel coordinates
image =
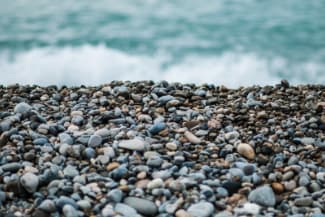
(246, 150)
(112, 166)
(182, 213)
(277, 187)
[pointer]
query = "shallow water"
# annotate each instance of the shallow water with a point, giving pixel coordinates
(223, 42)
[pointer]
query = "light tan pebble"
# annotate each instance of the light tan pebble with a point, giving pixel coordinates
(76, 113)
(261, 115)
(142, 183)
(246, 150)
(30, 169)
(149, 154)
(142, 175)
(112, 166)
(44, 97)
(182, 213)
(156, 183)
(192, 138)
(171, 146)
(72, 128)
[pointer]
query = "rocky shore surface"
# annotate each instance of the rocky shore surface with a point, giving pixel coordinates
(162, 149)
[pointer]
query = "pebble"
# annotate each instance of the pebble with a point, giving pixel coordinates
(305, 201)
(47, 206)
(11, 167)
(115, 195)
(143, 206)
(156, 128)
(182, 213)
(246, 150)
(70, 171)
(263, 196)
(201, 209)
(192, 138)
(156, 183)
(94, 141)
(22, 108)
(30, 182)
(132, 144)
(125, 210)
(70, 211)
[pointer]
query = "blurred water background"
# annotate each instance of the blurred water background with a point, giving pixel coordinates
(235, 43)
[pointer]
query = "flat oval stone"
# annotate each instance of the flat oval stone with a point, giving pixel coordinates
(246, 150)
(143, 206)
(201, 209)
(263, 196)
(132, 144)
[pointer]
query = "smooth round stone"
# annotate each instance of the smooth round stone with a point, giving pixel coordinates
(119, 172)
(108, 211)
(176, 186)
(64, 200)
(65, 138)
(84, 204)
(165, 99)
(149, 154)
(305, 201)
(11, 167)
(192, 138)
(171, 146)
(143, 206)
(70, 211)
(156, 183)
(77, 120)
(47, 206)
(246, 150)
(236, 173)
(95, 141)
(154, 161)
(263, 196)
(248, 209)
(201, 209)
(132, 144)
(2, 197)
(115, 195)
(304, 180)
(65, 148)
(249, 169)
(125, 210)
(231, 186)
(40, 141)
(30, 182)
(182, 213)
(70, 171)
(156, 128)
(22, 108)
(104, 132)
(89, 153)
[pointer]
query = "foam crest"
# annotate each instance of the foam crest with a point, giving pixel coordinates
(93, 65)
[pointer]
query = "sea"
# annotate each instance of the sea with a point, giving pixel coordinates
(223, 42)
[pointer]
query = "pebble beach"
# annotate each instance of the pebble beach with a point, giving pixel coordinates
(162, 149)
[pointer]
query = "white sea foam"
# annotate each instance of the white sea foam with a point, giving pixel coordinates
(93, 65)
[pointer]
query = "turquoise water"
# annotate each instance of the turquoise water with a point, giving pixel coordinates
(227, 42)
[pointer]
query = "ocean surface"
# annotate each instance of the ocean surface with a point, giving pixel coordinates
(235, 43)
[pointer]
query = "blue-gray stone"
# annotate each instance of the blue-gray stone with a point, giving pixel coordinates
(65, 138)
(89, 153)
(94, 141)
(263, 196)
(201, 209)
(115, 195)
(156, 128)
(143, 206)
(22, 108)
(40, 141)
(63, 200)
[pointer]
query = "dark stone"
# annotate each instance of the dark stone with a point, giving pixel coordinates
(231, 186)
